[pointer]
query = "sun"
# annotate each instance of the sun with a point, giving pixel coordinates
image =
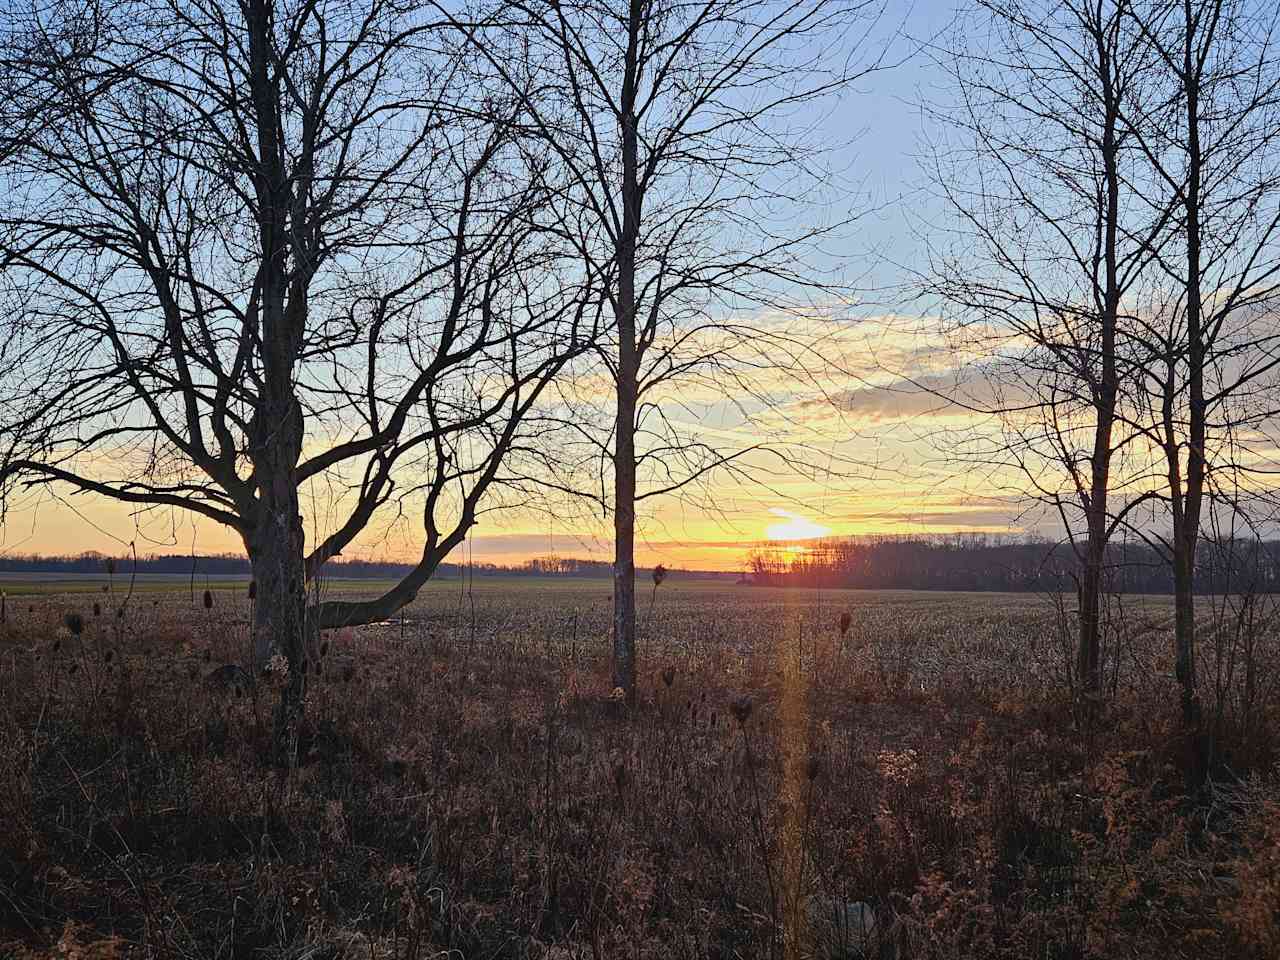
(794, 527)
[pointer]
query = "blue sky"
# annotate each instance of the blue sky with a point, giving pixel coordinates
(875, 131)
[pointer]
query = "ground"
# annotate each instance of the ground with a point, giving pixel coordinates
(467, 783)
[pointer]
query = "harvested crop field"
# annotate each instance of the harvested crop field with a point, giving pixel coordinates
(466, 785)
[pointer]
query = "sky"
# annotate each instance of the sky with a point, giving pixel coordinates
(874, 463)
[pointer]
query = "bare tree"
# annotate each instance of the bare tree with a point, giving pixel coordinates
(264, 247)
(1119, 167)
(674, 123)
(1050, 240)
(1212, 140)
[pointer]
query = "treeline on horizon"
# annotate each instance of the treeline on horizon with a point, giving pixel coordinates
(955, 561)
(231, 565)
(1004, 563)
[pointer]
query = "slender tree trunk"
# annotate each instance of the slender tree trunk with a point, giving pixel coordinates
(1089, 655)
(1088, 665)
(1187, 527)
(1107, 392)
(624, 456)
(1183, 555)
(624, 568)
(1185, 627)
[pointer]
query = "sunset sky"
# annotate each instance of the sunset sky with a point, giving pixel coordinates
(874, 462)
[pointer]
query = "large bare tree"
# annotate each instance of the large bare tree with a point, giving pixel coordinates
(268, 246)
(689, 179)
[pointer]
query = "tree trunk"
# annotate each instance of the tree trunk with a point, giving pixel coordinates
(1088, 660)
(624, 532)
(280, 616)
(1185, 627)
(277, 557)
(624, 454)
(280, 611)
(276, 540)
(1108, 293)
(1186, 533)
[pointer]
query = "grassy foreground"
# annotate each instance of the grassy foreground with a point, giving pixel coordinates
(469, 789)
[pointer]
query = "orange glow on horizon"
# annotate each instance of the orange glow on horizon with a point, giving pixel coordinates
(794, 527)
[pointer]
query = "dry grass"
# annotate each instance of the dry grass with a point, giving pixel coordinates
(469, 787)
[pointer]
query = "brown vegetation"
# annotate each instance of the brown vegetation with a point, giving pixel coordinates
(467, 784)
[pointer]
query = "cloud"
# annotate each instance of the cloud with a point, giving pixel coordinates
(950, 395)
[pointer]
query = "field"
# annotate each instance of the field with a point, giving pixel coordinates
(469, 788)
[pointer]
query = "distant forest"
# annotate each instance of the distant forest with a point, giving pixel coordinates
(231, 565)
(984, 562)
(957, 561)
